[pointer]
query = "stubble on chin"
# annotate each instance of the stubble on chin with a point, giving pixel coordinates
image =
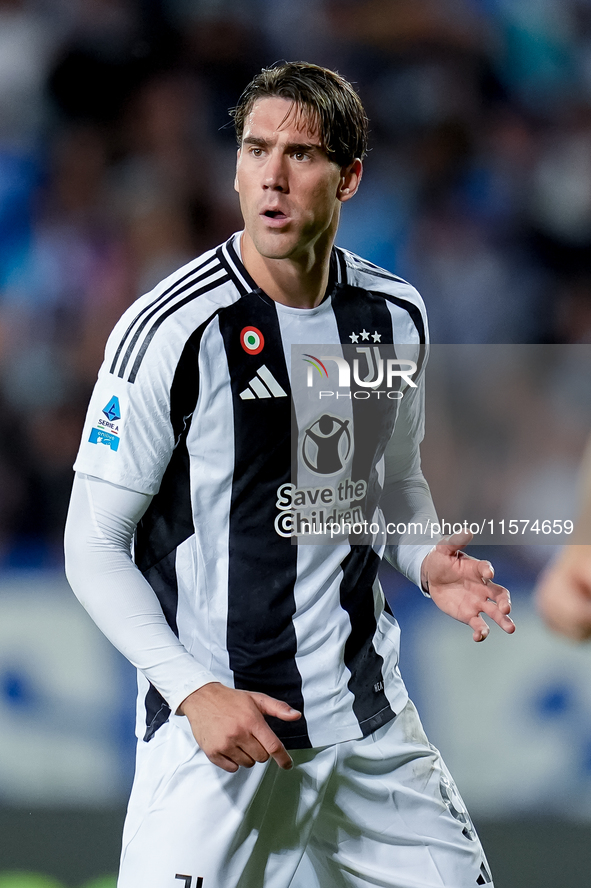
(271, 246)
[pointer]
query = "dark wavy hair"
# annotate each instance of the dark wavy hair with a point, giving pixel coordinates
(322, 98)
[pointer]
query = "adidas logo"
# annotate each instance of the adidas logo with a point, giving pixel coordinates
(263, 385)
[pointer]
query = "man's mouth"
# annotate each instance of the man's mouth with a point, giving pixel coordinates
(275, 218)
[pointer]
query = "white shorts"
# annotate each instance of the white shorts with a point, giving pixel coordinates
(382, 811)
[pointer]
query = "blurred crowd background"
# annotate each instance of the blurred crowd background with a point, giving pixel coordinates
(116, 157)
(116, 167)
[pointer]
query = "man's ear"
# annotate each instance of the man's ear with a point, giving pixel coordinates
(350, 179)
(236, 175)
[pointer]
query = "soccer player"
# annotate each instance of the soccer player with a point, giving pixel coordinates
(276, 742)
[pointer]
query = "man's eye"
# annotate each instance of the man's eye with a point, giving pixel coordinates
(301, 155)
(256, 152)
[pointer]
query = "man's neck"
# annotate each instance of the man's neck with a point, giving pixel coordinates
(298, 282)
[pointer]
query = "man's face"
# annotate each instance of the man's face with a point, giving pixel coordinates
(290, 192)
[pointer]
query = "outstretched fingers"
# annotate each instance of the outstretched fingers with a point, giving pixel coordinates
(498, 598)
(464, 587)
(498, 609)
(480, 628)
(492, 600)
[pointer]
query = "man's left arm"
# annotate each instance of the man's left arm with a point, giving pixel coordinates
(460, 585)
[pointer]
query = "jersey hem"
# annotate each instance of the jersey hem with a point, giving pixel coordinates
(352, 731)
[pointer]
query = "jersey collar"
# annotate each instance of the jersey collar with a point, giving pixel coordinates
(229, 256)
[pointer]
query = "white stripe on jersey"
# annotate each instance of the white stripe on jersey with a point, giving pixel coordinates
(321, 624)
(322, 628)
(211, 447)
(233, 245)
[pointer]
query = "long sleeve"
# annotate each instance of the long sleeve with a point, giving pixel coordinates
(101, 523)
(406, 498)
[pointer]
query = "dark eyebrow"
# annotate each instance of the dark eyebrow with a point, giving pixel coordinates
(290, 146)
(253, 140)
(303, 146)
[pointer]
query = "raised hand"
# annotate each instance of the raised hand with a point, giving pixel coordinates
(462, 587)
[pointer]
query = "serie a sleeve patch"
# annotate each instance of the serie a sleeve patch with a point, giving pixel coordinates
(107, 426)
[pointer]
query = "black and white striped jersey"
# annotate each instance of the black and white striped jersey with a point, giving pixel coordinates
(195, 405)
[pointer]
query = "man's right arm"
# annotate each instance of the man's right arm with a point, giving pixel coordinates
(228, 724)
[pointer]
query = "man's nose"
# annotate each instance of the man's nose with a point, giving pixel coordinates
(275, 176)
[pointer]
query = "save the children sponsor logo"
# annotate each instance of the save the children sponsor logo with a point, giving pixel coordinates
(107, 426)
(327, 445)
(328, 510)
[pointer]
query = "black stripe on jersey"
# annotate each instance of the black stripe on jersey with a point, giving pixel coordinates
(157, 712)
(354, 310)
(356, 307)
(371, 706)
(373, 418)
(212, 285)
(241, 277)
(261, 639)
(168, 521)
(163, 580)
(417, 319)
(342, 263)
(413, 310)
(160, 299)
(370, 268)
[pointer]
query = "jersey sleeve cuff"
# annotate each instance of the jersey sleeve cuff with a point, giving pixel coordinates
(193, 683)
(410, 559)
(140, 484)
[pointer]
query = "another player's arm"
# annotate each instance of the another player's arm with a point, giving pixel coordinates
(563, 593)
(228, 724)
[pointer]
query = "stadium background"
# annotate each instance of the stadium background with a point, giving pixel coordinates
(116, 165)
